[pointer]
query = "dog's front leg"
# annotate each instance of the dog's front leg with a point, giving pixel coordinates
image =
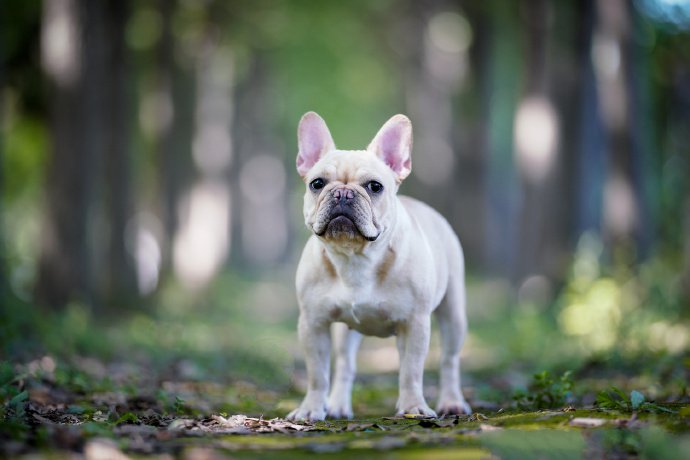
(345, 343)
(316, 342)
(413, 345)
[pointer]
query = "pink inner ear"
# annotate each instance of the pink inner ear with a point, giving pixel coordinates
(392, 148)
(313, 143)
(314, 140)
(393, 143)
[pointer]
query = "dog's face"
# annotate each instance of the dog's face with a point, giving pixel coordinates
(350, 194)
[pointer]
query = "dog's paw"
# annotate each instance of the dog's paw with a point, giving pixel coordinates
(307, 414)
(337, 411)
(416, 409)
(453, 407)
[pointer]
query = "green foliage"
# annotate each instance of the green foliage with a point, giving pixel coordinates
(12, 409)
(180, 407)
(613, 399)
(11, 396)
(79, 381)
(606, 307)
(616, 399)
(127, 417)
(7, 377)
(546, 391)
(17, 403)
(25, 152)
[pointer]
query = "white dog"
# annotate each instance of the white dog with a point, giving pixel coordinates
(376, 264)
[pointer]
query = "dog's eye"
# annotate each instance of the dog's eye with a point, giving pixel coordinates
(317, 184)
(375, 187)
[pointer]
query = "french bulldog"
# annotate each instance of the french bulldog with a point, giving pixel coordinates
(376, 264)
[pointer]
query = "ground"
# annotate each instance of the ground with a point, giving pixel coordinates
(211, 376)
(87, 408)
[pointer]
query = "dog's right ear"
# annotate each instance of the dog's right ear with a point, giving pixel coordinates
(314, 140)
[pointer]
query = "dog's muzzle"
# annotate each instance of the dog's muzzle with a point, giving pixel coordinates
(345, 216)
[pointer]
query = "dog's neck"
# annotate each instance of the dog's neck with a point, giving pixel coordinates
(353, 257)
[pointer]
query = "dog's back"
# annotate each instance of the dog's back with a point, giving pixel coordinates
(442, 240)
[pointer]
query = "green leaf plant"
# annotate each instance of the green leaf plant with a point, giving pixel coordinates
(546, 392)
(616, 399)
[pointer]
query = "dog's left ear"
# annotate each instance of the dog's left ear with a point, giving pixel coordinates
(393, 144)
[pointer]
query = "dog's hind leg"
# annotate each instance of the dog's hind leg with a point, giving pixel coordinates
(345, 345)
(452, 323)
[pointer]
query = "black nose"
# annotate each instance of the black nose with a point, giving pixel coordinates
(343, 195)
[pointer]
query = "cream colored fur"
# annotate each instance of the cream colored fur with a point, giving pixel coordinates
(386, 286)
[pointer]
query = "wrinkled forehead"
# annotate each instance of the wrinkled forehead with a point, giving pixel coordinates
(348, 166)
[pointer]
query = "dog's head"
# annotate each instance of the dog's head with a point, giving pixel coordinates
(350, 193)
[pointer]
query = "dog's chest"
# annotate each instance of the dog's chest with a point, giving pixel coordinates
(366, 311)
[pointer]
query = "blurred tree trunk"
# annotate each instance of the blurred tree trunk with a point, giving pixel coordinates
(547, 170)
(120, 285)
(430, 82)
(686, 246)
(169, 187)
(590, 167)
(683, 97)
(83, 58)
(568, 90)
(244, 129)
(175, 129)
(65, 272)
(623, 206)
(93, 134)
(471, 204)
(676, 233)
(645, 174)
(3, 267)
(535, 234)
(448, 147)
(498, 108)
(249, 139)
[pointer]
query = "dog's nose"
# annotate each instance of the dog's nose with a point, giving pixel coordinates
(343, 194)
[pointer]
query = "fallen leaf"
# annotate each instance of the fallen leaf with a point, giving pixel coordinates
(230, 422)
(436, 423)
(42, 420)
(241, 424)
(41, 395)
(587, 422)
(99, 416)
(180, 424)
(477, 417)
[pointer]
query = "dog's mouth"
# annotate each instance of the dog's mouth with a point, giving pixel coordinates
(342, 225)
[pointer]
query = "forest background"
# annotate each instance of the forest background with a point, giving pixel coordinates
(151, 212)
